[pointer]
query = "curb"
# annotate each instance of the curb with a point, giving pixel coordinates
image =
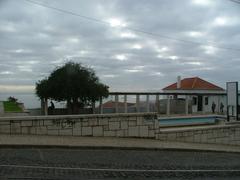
(7, 146)
(26, 141)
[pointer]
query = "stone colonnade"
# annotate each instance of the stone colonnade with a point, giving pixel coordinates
(157, 103)
(167, 96)
(188, 97)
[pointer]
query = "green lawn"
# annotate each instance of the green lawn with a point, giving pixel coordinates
(11, 107)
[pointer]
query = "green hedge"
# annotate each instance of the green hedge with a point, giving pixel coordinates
(11, 107)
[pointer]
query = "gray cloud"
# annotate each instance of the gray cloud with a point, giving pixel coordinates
(35, 39)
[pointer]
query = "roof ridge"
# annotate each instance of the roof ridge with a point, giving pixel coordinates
(211, 83)
(190, 78)
(194, 82)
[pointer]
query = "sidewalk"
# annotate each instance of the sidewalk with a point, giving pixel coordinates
(107, 142)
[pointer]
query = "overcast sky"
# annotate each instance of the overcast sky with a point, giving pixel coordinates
(36, 39)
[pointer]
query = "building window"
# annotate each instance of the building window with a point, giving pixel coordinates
(194, 100)
(206, 100)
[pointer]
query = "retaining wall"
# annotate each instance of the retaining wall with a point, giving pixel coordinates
(118, 125)
(141, 125)
(215, 134)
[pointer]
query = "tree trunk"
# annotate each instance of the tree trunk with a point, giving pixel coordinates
(42, 106)
(69, 106)
(93, 107)
(75, 106)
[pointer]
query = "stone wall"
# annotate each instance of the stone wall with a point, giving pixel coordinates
(215, 134)
(117, 125)
(141, 125)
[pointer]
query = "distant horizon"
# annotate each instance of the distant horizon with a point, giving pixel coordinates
(31, 100)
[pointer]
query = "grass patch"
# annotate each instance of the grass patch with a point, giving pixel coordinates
(11, 107)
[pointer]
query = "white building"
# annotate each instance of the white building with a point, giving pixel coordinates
(202, 94)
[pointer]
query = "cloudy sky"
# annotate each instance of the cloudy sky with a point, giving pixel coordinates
(133, 45)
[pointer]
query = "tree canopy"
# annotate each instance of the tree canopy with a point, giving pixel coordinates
(73, 83)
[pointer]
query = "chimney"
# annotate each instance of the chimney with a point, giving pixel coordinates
(178, 82)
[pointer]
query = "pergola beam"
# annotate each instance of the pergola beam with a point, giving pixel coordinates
(168, 93)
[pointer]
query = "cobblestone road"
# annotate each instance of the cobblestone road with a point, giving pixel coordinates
(116, 164)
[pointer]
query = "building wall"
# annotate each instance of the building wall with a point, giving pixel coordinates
(207, 108)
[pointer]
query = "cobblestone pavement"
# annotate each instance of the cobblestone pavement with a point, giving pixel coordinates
(23, 163)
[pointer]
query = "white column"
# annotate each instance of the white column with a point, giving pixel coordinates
(116, 103)
(203, 105)
(191, 105)
(218, 105)
(186, 105)
(168, 105)
(45, 106)
(137, 103)
(93, 107)
(100, 106)
(147, 103)
(157, 103)
(125, 104)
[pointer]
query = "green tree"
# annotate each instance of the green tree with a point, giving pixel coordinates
(74, 83)
(42, 89)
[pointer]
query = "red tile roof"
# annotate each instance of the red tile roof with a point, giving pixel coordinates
(194, 83)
